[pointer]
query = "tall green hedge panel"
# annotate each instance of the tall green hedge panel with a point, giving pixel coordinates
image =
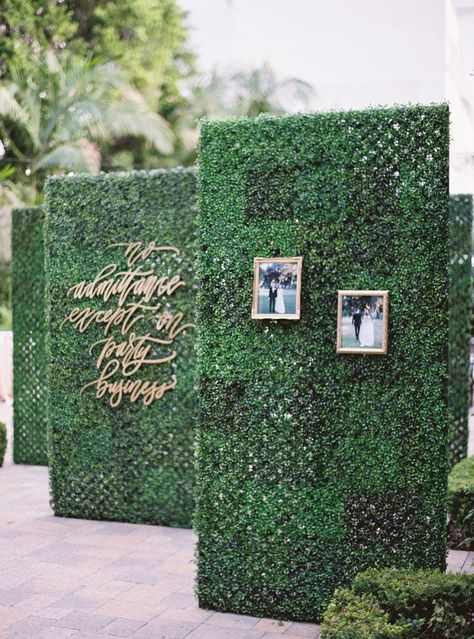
(460, 238)
(29, 325)
(313, 466)
(129, 460)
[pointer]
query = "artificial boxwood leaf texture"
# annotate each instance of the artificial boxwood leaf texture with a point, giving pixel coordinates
(132, 463)
(313, 466)
(460, 234)
(29, 327)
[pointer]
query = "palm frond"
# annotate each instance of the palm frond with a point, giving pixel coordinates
(10, 108)
(133, 117)
(301, 90)
(6, 172)
(68, 157)
(69, 100)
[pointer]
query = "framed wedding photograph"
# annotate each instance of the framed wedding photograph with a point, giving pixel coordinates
(276, 288)
(362, 322)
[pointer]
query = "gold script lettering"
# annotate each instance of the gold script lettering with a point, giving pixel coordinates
(138, 295)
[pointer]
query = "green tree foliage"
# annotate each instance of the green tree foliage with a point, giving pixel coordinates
(10, 195)
(50, 117)
(147, 38)
(28, 27)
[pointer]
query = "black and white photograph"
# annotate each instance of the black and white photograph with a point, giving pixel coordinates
(277, 288)
(362, 322)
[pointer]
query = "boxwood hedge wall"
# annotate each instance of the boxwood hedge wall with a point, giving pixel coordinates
(313, 466)
(28, 308)
(133, 462)
(460, 238)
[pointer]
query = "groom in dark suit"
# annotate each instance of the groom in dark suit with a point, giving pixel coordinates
(272, 295)
(356, 320)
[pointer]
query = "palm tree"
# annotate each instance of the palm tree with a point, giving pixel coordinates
(55, 118)
(260, 91)
(223, 94)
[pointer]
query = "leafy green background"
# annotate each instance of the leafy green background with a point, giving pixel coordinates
(29, 357)
(313, 466)
(460, 234)
(461, 504)
(132, 463)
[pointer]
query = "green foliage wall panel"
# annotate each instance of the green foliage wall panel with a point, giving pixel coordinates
(28, 308)
(313, 466)
(111, 459)
(460, 233)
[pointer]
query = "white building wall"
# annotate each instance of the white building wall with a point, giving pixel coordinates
(355, 53)
(460, 92)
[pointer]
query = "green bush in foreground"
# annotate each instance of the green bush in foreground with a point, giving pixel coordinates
(383, 604)
(3, 441)
(461, 504)
(350, 616)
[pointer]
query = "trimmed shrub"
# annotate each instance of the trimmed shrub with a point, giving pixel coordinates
(29, 327)
(3, 442)
(131, 462)
(461, 504)
(402, 603)
(460, 234)
(312, 465)
(351, 616)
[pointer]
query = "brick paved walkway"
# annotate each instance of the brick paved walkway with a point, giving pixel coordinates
(62, 578)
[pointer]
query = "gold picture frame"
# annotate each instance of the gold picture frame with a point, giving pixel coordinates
(362, 336)
(286, 303)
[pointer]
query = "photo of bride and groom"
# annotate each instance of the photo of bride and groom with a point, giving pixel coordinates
(362, 322)
(277, 284)
(276, 295)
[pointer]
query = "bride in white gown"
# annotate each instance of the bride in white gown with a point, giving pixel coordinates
(366, 335)
(280, 302)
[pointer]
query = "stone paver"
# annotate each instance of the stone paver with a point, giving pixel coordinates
(270, 626)
(122, 627)
(298, 629)
(78, 579)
